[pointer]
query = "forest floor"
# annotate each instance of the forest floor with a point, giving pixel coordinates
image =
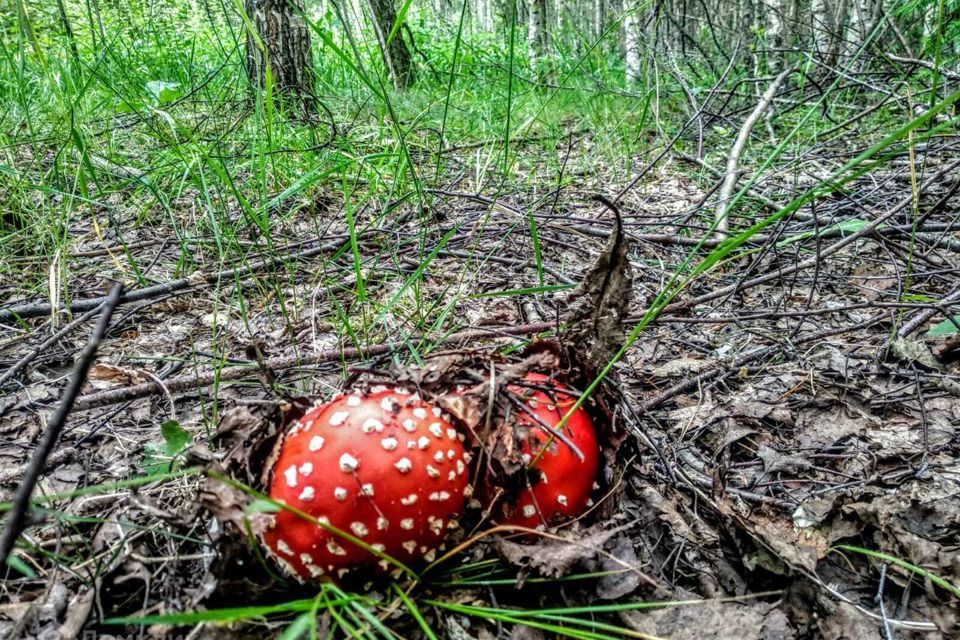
(791, 451)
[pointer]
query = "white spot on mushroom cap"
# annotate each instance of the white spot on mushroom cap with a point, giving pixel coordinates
(436, 525)
(366, 489)
(388, 404)
(436, 430)
(438, 456)
(335, 548)
(409, 500)
(382, 523)
(403, 465)
(348, 464)
(359, 529)
(291, 476)
(526, 457)
(432, 471)
(529, 511)
(306, 558)
(307, 494)
(451, 454)
(451, 476)
(562, 499)
(353, 401)
(315, 571)
(438, 496)
(452, 433)
(406, 523)
(340, 494)
(420, 413)
(423, 442)
(316, 443)
(461, 467)
(378, 388)
(378, 546)
(389, 444)
(371, 425)
(430, 555)
(410, 546)
(468, 491)
(306, 468)
(283, 547)
(409, 425)
(338, 418)
(436, 412)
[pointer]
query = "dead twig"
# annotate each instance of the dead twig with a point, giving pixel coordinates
(21, 500)
(722, 221)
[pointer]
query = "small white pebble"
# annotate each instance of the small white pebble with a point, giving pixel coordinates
(389, 444)
(316, 443)
(291, 476)
(348, 464)
(403, 465)
(406, 523)
(529, 511)
(340, 494)
(338, 418)
(307, 494)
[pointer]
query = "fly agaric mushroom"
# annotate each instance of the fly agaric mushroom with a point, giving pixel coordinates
(385, 467)
(560, 481)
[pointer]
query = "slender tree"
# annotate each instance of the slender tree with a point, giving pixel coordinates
(396, 55)
(539, 38)
(280, 39)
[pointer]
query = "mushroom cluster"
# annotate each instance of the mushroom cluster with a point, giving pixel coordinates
(561, 463)
(385, 468)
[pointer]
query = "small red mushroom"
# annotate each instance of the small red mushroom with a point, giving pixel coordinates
(560, 481)
(384, 466)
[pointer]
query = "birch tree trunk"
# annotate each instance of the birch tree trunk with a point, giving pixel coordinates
(631, 40)
(396, 55)
(282, 42)
(820, 16)
(538, 30)
(775, 33)
(599, 17)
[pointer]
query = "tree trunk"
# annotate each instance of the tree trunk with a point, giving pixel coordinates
(820, 14)
(396, 55)
(631, 40)
(599, 17)
(282, 41)
(775, 32)
(538, 30)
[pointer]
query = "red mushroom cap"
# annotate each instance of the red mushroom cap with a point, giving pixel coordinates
(385, 467)
(561, 483)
